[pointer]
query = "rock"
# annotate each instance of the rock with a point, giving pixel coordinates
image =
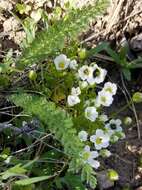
(103, 181)
(136, 43)
(139, 188)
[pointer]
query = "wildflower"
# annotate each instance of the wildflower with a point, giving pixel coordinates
(73, 100)
(103, 118)
(91, 113)
(83, 135)
(104, 98)
(98, 75)
(100, 139)
(89, 157)
(114, 126)
(83, 84)
(85, 72)
(73, 64)
(75, 91)
(61, 62)
(110, 87)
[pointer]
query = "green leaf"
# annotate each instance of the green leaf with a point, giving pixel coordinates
(49, 42)
(14, 171)
(73, 181)
(105, 47)
(29, 181)
(126, 73)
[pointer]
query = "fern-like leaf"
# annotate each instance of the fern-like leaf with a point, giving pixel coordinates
(60, 124)
(49, 41)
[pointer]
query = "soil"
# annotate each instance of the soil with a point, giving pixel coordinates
(123, 22)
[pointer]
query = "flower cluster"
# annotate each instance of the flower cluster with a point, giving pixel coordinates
(73, 99)
(62, 63)
(88, 77)
(101, 140)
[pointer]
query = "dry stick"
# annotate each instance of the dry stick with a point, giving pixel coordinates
(128, 17)
(121, 21)
(33, 144)
(133, 106)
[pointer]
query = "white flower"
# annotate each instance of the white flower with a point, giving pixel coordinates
(85, 72)
(98, 75)
(83, 135)
(73, 100)
(100, 139)
(83, 84)
(61, 62)
(75, 91)
(89, 157)
(91, 113)
(104, 98)
(110, 87)
(103, 118)
(114, 126)
(73, 64)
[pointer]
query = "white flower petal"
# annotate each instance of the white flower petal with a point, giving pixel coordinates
(83, 135)
(110, 87)
(73, 64)
(94, 154)
(61, 62)
(94, 163)
(75, 91)
(87, 148)
(73, 100)
(91, 113)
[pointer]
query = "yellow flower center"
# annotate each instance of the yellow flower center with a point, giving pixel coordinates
(109, 89)
(86, 155)
(88, 114)
(62, 65)
(86, 72)
(103, 99)
(98, 140)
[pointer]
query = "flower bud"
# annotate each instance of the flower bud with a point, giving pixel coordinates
(128, 121)
(82, 53)
(32, 75)
(113, 175)
(137, 97)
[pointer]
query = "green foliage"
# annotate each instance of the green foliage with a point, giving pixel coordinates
(29, 181)
(60, 124)
(17, 170)
(120, 58)
(51, 40)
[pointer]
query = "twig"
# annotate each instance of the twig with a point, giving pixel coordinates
(33, 144)
(133, 106)
(128, 17)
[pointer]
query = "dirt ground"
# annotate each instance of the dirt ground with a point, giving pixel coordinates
(123, 24)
